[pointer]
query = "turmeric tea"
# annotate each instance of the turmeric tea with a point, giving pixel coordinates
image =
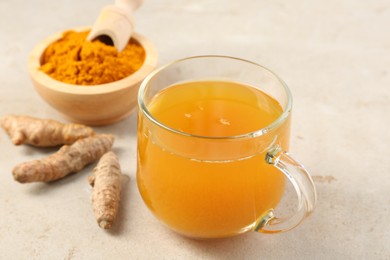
(74, 60)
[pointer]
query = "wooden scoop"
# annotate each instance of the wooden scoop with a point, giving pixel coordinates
(115, 24)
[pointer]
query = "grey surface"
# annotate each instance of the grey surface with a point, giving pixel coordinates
(334, 55)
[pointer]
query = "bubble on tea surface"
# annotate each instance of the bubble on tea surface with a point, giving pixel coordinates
(224, 121)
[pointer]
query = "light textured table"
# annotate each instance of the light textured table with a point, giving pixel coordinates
(334, 55)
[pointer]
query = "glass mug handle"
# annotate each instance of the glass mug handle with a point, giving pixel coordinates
(303, 185)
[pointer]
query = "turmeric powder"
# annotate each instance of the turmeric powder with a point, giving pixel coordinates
(42, 132)
(68, 159)
(72, 59)
(106, 183)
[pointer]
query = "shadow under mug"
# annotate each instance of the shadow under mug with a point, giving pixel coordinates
(237, 187)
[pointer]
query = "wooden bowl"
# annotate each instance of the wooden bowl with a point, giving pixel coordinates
(91, 105)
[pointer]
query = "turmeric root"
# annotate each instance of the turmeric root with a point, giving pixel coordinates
(68, 159)
(106, 183)
(42, 132)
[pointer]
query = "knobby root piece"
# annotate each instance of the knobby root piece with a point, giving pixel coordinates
(42, 132)
(106, 183)
(68, 159)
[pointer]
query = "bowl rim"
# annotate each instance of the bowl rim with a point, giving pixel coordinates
(45, 80)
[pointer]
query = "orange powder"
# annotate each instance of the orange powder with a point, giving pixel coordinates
(72, 59)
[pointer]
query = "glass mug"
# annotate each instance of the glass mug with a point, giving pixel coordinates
(213, 136)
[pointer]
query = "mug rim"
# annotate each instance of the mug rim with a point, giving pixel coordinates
(283, 116)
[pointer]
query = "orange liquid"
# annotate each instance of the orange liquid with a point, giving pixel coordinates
(209, 188)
